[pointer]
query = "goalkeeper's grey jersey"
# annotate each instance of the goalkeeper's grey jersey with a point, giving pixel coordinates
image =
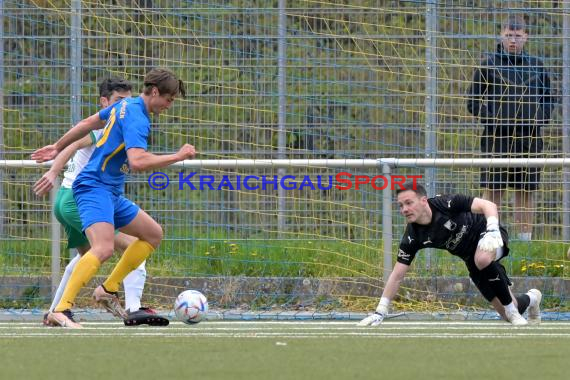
(453, 227)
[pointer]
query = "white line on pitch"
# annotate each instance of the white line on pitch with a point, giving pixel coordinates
(306, 323)
(286, 335)
(505, 327)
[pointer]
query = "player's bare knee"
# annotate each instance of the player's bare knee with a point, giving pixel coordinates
(103, 253)
(483, 259)
(154, 236)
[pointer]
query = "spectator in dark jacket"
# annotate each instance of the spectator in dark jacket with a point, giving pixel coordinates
(510, 94)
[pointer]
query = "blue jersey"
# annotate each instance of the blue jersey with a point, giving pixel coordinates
(128, 126)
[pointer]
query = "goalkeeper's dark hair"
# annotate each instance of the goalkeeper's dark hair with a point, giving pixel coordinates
(165, 82)
(110, 85)
(414, 186)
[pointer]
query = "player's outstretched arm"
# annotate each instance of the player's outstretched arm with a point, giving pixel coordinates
(140, 159)
(49, 152)
(390, 291)
(45, 184)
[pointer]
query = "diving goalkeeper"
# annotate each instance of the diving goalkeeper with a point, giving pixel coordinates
(466, 227)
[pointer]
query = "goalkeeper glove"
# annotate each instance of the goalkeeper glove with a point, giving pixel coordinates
(376, 318)
(372, 320)
(492, 238)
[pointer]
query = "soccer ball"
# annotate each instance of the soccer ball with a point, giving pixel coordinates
(191, 307)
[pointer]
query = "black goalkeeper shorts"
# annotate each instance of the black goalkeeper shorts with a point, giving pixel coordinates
(475, 273)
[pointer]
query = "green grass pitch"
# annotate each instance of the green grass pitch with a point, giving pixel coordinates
(286, 350)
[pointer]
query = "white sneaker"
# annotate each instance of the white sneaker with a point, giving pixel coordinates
(534, 309)
(515, 318)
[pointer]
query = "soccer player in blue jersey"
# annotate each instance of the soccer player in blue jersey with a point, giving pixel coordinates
(99, 189)
(111, 90)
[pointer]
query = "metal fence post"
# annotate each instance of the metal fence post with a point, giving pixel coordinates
(387, 225)
(1, 114)
(566, 119)
(76, 61)
(431, 102)
(282, 109)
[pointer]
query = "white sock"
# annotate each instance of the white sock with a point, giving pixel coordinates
(64, 281)
(134, 286)
(533, 298)
(383, 306)
(511, 308)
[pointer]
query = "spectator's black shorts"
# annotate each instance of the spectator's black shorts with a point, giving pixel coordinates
(510, 146)
(475, 273)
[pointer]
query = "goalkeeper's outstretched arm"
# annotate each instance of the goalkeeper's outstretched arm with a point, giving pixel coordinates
(390, 291)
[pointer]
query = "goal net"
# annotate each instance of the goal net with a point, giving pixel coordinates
(267, 80)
